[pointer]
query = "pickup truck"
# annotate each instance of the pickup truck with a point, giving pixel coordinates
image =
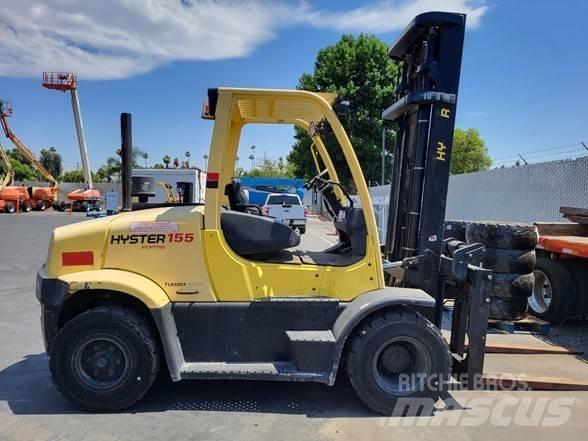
(287, 208)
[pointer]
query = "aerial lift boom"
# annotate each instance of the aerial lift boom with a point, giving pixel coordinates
(8, 170)
(82, 199)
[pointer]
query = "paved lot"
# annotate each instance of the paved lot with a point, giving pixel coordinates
(31, 408)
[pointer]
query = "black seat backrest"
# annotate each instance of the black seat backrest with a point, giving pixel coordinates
(248, 234)
(238, 200)
(353, 229)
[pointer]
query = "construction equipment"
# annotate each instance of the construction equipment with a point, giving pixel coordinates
(39, 198)
(12, 198)
(216, 292)
(82, 199)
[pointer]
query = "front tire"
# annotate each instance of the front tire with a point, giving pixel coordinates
(397, 354)
(105, 359)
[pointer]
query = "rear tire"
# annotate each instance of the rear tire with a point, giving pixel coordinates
(26, 207)
(9, 207)
(84, 207)
(302, 230)
(105, 359)
(554, 292)
(397, 354)
(40, 206)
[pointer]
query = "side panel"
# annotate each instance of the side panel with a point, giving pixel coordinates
(165, 246)
(240, 332)
(237, 279)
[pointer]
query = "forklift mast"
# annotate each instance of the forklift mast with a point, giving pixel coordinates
(430, 51)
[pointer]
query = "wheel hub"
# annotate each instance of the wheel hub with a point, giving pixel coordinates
(101, 363)
(540, 299)
(395, 358)
(400, 365)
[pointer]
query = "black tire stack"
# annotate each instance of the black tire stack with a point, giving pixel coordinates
(510, 253)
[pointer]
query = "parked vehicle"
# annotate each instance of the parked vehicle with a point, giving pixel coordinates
(561, 273)
(287, 208)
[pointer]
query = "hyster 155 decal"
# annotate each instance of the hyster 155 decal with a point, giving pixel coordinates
(151, 239)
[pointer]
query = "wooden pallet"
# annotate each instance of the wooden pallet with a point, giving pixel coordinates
(529, 324)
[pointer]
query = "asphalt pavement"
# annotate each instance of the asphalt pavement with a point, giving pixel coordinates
(32, 409)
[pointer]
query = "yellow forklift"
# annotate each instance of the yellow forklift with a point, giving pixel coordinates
(218, 291)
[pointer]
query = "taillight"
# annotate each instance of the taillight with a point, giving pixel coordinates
(265, 211)
(305, 212)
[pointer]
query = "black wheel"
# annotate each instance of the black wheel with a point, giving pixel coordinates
(302, 230)
(455, 229)
(504, 308)
(506, 261)
(40, 206)
(512, 285)
(497, 235)
(554, 292)
(61, 206)
(26, 207)
(105, 359)
(84, 207)
(9, 207)
(396, 354)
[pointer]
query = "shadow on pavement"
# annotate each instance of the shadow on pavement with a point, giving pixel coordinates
(27, 388)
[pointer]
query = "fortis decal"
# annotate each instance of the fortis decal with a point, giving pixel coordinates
(152, 239)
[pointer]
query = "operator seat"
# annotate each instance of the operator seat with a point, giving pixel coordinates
(238, 200)
(249, 234)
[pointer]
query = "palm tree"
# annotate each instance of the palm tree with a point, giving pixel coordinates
(176, 162)
(166, 160)
(145, 156)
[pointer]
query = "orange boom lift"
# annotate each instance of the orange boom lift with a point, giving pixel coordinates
(38, 198)
(11, 198)
(88, 198)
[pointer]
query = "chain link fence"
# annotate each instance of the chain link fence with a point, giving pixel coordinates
(528, 193)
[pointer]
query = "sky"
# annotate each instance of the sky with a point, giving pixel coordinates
(523, 80)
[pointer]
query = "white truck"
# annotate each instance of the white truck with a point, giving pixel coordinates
(287, 208)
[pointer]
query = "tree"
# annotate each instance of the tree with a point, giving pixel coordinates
(469, 153)
(359, 70)
(176, 162)
(166, 160)
(158, 165)
(145, 157)
(78, 176)
(187, 155)
(51, 160)
(269, 168)
(22, 170)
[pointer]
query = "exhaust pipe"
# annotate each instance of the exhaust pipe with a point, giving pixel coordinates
(126, 152)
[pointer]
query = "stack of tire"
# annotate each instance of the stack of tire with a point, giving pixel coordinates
(510, 253)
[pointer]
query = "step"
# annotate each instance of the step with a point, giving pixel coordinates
(247, 371)
(312, 350)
